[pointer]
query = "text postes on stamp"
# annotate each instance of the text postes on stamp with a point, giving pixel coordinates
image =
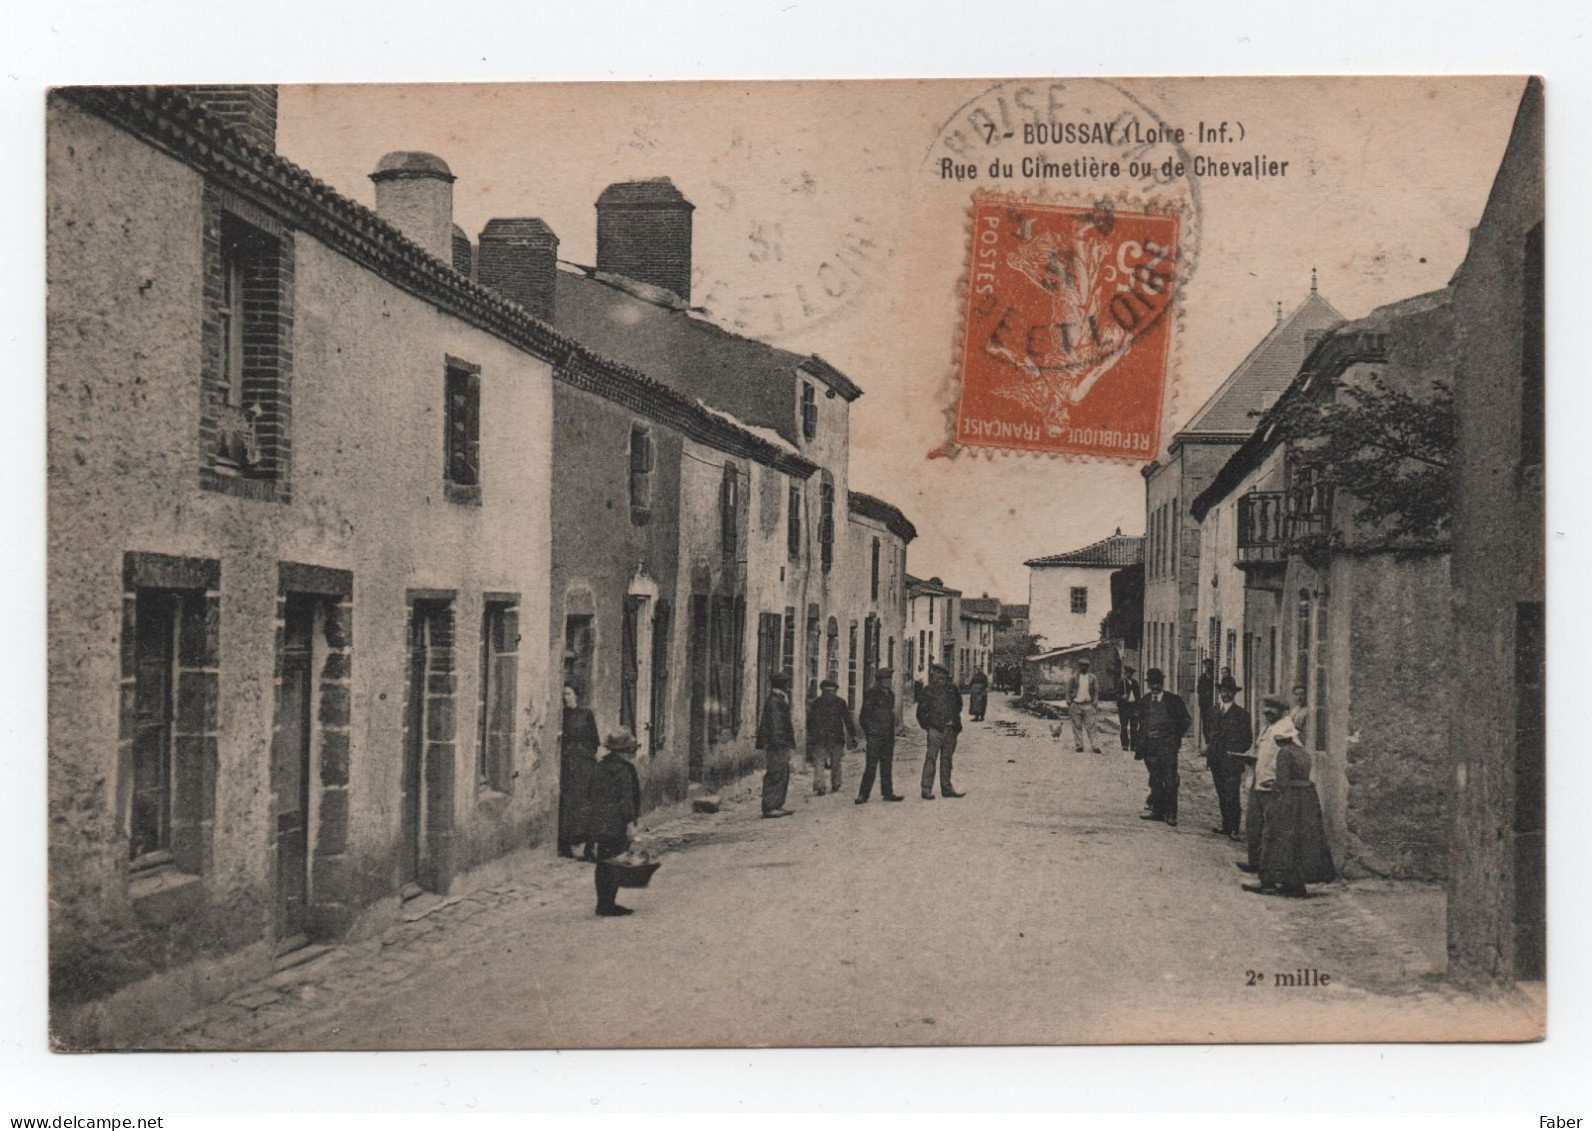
(1066, 330)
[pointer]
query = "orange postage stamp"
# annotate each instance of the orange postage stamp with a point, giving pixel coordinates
(1066, 332)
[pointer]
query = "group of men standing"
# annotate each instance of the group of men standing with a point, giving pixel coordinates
(830, 732)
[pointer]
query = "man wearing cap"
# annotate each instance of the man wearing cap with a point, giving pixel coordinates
(1263, 783)
(776, 738)
(1231, 734)
(615, 804)
(940, 716)
(829, 731)
(878, 722)
(1128, 708)
(1163, 723)
(1083, 697)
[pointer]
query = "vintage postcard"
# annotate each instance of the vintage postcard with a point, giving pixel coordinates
(945, 562)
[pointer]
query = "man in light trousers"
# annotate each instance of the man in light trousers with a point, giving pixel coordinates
(1083, 700)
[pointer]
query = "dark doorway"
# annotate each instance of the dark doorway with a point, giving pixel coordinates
(697, 755)
(291, 754)
(428, 747)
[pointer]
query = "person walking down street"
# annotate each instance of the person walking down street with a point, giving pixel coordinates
(577, 761)
(829, 731)
(877, 721)
(1205, 696)
(776, 738)
(1232, 733)
(1165, 721)
(1083, 700)
(1263, 776)
(615, 805)
(1294, 851)
(977, 696)
(1128, 709)
(940, 716)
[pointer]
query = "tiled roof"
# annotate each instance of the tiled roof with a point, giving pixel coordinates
(1114, 552)
(881, 511)
(981, 608)
(933, 587)
(1015, 612)
(169, 120)
(752, 379)
(1262, 376)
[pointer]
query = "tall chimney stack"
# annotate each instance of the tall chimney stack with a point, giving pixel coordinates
(644, 233)
(519, 260)
(250, 110)
(463, 253)
(414, 193)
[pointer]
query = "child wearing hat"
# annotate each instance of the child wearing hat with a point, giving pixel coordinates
(615, 804)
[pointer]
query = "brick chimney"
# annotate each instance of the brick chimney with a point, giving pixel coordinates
(250, 110)
(644, 233)
(463, 253)
(414, 193)
(519, 260)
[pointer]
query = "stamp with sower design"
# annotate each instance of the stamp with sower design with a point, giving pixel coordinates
(1067, 327)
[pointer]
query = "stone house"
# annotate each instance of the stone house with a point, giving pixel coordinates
(1497, 902)
(976, 643)
(1297, 591)
(932, 623)
(877, 570)
(1171, 639)
(299, 491)
(1069, 594)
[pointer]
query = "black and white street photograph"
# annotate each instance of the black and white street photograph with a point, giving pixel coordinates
(795, 560)
(505, 538)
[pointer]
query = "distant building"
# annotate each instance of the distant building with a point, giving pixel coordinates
(877, 562)
(1070, 594)
(933, 623)
(1172, 641)
(976, 646)
(1497, 902)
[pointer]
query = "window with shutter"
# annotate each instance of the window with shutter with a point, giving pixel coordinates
(826, 525)
(642, 462)
(793, 525)
(809, 411)
(462, 433)
(729, 511)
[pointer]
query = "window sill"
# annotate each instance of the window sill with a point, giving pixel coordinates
(491, 795)
(164, 893)
(264, 489)
(465, 494)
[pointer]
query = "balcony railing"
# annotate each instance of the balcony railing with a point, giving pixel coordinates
(1262, 527)
(1269, 520)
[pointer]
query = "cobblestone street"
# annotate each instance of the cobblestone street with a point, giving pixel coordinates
(1039, 909)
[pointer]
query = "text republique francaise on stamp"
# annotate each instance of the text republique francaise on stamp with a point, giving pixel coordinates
(1066, 330)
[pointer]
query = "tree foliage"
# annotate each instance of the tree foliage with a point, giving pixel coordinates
(1382, 450)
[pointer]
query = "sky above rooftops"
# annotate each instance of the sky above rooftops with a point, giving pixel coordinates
(820, 228)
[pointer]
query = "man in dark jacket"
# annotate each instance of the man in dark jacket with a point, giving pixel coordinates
(776, 738)
(829, 731)
(940, 716)
(1231, 734)
(878, 722)
(615, 804)
(1205, 696)
(1128, 709)
(1163, 721)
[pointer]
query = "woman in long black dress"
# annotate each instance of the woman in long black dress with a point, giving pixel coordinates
(577, 762)
(1293, 850)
